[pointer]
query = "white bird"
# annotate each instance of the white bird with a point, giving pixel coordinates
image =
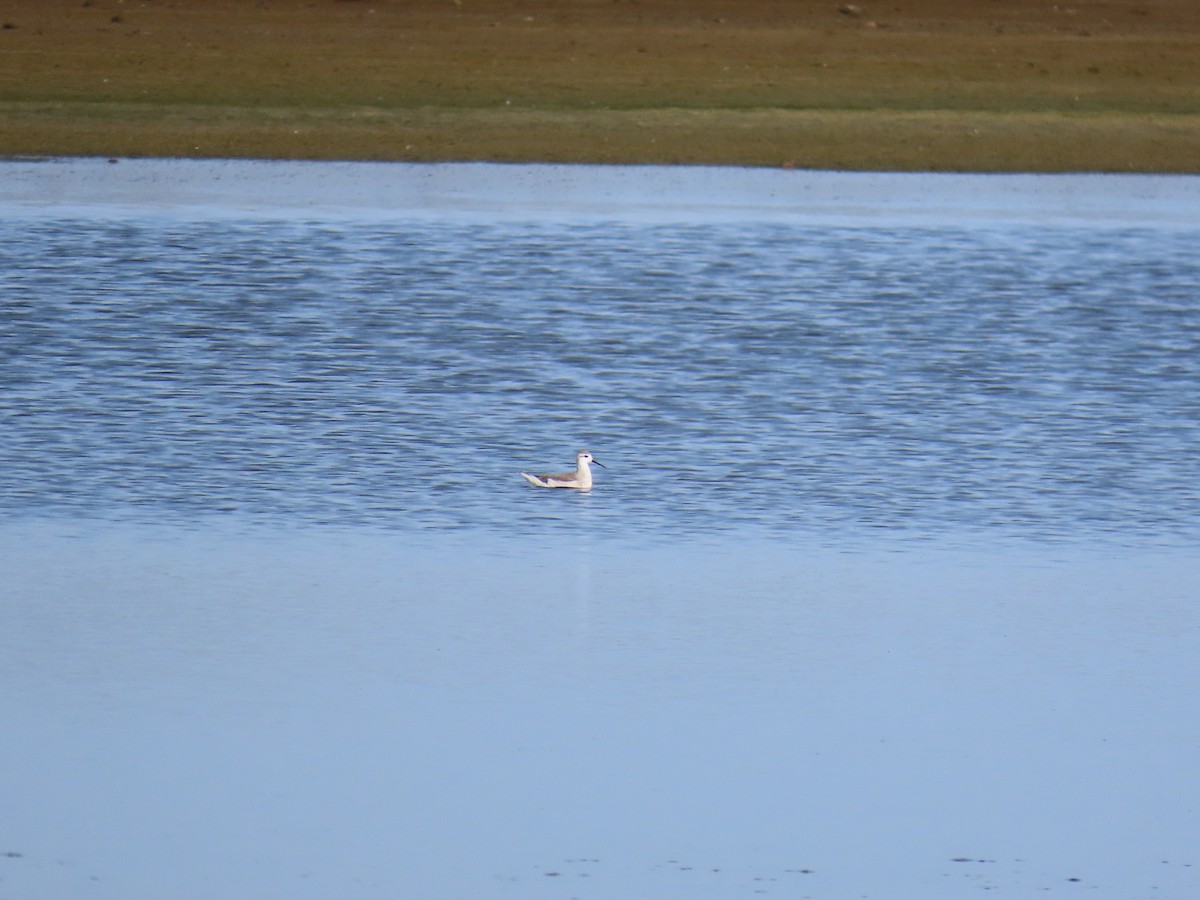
(580, 479)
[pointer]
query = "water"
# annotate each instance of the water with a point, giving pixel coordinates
(1007, 378)
(888, 588)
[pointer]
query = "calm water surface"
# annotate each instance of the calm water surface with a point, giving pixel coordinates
(888, 589)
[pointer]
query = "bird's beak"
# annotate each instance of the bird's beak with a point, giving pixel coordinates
(600, 464)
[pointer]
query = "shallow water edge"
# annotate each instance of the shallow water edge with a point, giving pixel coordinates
(492, 192)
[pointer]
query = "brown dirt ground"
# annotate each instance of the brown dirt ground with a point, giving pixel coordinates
(982, 85)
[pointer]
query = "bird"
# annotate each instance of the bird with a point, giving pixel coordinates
(580, 479)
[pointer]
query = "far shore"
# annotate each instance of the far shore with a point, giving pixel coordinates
(929, 85)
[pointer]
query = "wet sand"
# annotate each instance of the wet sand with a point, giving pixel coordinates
(920, 85)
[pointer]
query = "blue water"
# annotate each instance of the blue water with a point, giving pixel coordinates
(888, 588)
(1009, 380)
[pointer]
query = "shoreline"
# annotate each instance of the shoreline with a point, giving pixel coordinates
(933, 85)
(842, 140)
(542, 192)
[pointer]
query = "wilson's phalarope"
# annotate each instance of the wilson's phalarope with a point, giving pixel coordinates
(580, 479)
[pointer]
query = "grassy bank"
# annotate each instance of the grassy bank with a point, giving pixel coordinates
(929, 84)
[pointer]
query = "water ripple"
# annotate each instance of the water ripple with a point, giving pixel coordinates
(1018, 381)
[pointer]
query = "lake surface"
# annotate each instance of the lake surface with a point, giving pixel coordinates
(888, 588)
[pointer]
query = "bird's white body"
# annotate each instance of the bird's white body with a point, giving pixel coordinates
(580, 479)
